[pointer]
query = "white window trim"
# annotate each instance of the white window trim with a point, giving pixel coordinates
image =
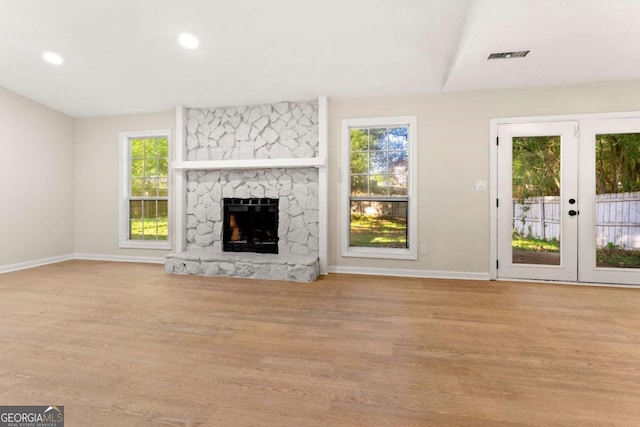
(125, 182)
(410, 253)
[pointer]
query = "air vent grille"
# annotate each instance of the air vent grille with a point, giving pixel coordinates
(509, 55)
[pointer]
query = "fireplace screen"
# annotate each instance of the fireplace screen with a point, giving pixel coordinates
(250, 225)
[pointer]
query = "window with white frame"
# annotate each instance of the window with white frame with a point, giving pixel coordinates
(379, 187)
(144, 201)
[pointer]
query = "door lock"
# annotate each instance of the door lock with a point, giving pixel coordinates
(572, 201)
(573, 213)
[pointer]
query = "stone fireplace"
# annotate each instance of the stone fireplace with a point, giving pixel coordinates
(228, 143)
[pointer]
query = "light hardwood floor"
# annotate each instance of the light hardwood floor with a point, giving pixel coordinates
(127, 345)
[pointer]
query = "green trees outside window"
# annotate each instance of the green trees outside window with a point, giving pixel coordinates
(378, 187)
(536, 175)
(149, 189)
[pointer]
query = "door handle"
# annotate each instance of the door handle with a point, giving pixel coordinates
(573, 213)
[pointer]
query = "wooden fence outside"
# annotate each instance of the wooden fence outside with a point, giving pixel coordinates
(617, 219)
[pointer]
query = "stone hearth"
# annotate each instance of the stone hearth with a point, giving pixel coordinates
(265, 266)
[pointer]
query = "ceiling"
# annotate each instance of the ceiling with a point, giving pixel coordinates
(122, 56)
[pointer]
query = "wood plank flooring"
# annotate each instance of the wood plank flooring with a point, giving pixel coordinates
(127, 345)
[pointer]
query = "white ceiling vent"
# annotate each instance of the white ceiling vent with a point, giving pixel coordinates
(509, 55)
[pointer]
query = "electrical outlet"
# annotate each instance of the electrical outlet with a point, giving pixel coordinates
(423, 249)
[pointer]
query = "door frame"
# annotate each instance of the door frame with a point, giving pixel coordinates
(493, 169)
(567, 270)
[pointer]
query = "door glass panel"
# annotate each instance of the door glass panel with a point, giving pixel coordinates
(536, 200)
(618, 200)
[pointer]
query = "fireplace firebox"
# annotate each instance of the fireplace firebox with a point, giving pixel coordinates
(250, 225)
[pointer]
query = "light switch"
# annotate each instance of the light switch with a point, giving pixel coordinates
(481, 185)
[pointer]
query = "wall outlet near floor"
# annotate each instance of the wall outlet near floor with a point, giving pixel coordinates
(423, 249)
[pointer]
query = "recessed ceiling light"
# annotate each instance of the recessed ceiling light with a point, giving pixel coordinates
(188, 41)
(52, 58)
(509, 55)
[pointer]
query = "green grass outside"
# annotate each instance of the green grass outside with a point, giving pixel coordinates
(615, 256)
(150, 229)
(521, 243)
(378, 232)
(610, 256)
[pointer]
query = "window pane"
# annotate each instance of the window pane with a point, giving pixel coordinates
(149, 229)
(398, 162)
(137, 148)
(163, 147)
(150, 148)
(137, 188)
(163, 220)
(156, 188)
(359, 139)
(398, 138)
(379, 162)
(359, 163)
(135, 220)
(378, 185)
(150, 210)
(359, 185)
(163, 187)
(147, 188)
(377, 139)
(163, 208)
(135, 209)
(150, 168)
(150, 187)
(378, 224)
(150, 220)
(398, 185)
(137, 168)
(163, 167)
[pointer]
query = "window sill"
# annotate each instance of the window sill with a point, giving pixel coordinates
(382, 253)
(130, 244)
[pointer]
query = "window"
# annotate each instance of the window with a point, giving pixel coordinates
(379, 187)
(144, 205)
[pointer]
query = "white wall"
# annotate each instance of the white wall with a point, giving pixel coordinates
(97, 180)
(36, 181)
(453, 135)
(42, 158)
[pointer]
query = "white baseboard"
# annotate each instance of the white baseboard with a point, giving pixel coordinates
(553, 282)
(120, 258)
(427, 274)
(92, 257)
(430, 274)
(34, 263)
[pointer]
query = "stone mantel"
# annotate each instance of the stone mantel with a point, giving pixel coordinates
(249, 164)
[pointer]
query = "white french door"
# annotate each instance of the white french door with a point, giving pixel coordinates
(609, 245)
(569, 201)
(537, 190)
